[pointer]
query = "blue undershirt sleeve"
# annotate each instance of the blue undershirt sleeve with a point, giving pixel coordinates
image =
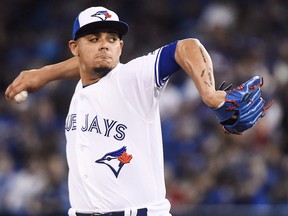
(167, 64)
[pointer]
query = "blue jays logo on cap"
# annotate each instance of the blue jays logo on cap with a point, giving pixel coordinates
(100, 15)
(116, 160)
(95, 18)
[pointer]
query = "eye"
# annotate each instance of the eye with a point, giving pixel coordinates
(112, 39)
(94, 39)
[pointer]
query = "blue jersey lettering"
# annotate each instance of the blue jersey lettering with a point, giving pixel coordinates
(95, 125)
(120, 132)
(70, 122)
(108, 126)
(85, 127)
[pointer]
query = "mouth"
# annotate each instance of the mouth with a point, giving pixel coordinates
(103, 56)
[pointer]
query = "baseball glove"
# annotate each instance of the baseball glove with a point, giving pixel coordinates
(243, 106)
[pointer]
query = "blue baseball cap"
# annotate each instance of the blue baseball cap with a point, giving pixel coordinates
(94, 18)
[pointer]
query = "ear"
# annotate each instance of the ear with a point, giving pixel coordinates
(73, 45)
(121, 46)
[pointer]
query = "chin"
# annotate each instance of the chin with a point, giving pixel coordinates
(102, 71)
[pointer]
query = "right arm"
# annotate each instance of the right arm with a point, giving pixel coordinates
(194, 59)
(33, 80)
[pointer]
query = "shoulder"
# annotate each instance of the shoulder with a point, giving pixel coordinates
(142, 61)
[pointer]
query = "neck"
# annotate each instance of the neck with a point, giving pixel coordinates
(94, 75)
(86, 81)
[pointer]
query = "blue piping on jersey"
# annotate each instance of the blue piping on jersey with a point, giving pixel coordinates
(156, 67)
(165, 64)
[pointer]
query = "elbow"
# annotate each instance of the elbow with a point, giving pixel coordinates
(188, 43)
(185, 48)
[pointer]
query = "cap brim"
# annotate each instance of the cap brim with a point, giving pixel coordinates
(119, 26)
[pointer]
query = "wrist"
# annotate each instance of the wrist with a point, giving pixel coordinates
(215, 99)
(43, 74)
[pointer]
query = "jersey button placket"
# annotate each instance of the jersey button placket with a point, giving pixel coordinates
(82, 149)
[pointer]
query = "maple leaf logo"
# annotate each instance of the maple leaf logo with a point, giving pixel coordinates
(107, 15)
(125, 158)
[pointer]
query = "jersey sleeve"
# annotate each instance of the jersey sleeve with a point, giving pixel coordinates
(165, 64)
(142, 80)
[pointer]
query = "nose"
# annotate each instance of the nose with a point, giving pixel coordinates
(104, 45)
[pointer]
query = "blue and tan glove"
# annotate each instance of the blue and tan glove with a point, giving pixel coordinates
(243, 106)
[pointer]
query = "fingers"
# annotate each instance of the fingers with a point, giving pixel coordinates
(15, 87)
(11, 91)
(8, 93)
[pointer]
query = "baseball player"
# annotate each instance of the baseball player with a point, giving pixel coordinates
(114, 143)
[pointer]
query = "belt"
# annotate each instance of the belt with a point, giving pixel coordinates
(140, 212)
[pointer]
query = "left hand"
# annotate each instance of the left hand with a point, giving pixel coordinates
(243, 107)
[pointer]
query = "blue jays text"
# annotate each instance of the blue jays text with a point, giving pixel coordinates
(106, 127)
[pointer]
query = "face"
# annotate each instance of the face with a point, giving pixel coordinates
(98, 53)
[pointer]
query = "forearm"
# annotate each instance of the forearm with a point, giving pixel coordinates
(195, 61)
(68, 69)
(33, 80)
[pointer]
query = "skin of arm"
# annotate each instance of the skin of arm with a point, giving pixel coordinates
(190, 55)
(194, 59)
(32, 80)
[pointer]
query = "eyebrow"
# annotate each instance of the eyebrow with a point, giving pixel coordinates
(108, 32)
(113, 32)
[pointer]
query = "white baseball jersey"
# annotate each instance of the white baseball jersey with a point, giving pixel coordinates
(114, 141)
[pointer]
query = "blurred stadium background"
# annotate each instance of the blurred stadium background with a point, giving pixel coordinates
(207, 172)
